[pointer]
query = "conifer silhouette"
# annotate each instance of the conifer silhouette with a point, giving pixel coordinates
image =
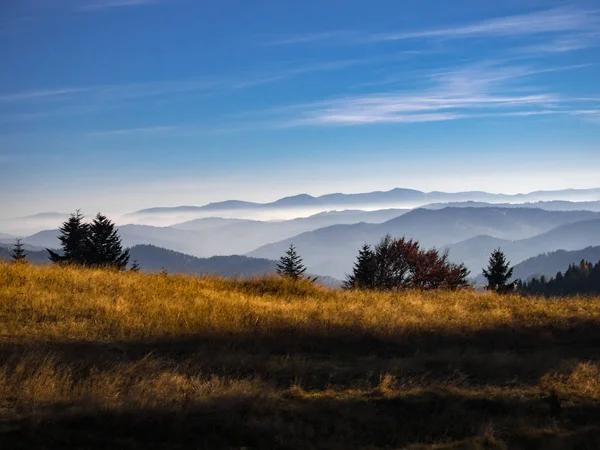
(363, 273)
(135, 267)
(498, 272)
(103, 246)
(290, 265)
(18, 253)
(73, 238)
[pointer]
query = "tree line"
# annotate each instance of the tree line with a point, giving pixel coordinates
(582, 278)
(391, 265)
(396, 264)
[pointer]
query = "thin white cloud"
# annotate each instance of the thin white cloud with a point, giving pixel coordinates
(109, 4)
(92, 99)
(551, 21)
(40, 94)
(562, 44)
(328, 36)
(471, 92)
(135, 131)
(590, 115)
(558, 20)
(323, 66)
(482, 90)
(136, 90)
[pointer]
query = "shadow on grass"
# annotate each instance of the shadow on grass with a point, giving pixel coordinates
(299, 422)
(334, 359)
(320, 358)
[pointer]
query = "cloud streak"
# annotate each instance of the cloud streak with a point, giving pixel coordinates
(476, 91)
(40, 94)
(102, 5)
(148, 131)
(77, 99)
(558, 20)
(551, 21)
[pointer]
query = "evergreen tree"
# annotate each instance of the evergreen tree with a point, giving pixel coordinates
(365, 268)
(290, 265)
(73, 238)
(582, 278)
(498, 272)
(135, 267)
(18, 254)
(103, 246)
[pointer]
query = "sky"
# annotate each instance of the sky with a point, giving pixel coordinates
(118, 105)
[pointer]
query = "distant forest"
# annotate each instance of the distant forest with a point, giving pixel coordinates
(582, 278)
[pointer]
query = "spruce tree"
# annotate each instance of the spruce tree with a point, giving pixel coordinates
(18, 254)
(73, 239)
(103, 246)
(363, 273)
(135, 267)
(290, 265)
(498, 272)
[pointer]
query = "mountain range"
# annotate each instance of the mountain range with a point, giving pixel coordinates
(396, 198)
(469, 224)
(474, 252)
(216, 236)
(470, 234)
(154, 259)
(548, 264)
(553, 205)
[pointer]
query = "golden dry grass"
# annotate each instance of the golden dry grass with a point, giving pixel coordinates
(99, 359)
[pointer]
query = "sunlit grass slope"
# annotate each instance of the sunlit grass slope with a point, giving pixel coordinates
(98, 359)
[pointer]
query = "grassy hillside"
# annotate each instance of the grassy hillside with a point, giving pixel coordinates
(98, 359)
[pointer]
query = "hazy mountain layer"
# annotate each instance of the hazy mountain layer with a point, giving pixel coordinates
(474, 252)
(154, 259)
(548, 264)
(554, 205)
(332, 250)
(398, 198)
(217, 236)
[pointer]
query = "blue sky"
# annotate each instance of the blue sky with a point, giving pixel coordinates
(123, 104)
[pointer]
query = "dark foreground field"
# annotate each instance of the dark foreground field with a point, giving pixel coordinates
(96, 359)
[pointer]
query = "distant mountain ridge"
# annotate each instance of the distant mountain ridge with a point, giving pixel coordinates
(552, 205)
(216, 236)
(548, 264)
(474, 252)
(395, 196)
(331, 250)
(154, 259)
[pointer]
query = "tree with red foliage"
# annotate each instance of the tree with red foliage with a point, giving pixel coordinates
(402, 264)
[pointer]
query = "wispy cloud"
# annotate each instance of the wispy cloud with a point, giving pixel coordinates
(475, 91)
(100, 5)
(78, 99)
(562, 44)
(323, 66)
(40, 94)
(149, 131)
(326, 36)
(67, 101)
(591, 115)
(551, 21)
(558, 20)
(482, 90)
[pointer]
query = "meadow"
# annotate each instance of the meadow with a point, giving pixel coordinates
(101, 359)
